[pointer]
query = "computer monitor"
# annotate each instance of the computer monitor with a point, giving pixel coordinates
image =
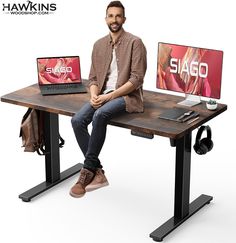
(194, 71)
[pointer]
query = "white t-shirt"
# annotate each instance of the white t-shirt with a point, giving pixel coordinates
(112, 74)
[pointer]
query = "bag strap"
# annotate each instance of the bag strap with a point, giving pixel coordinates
(41, 150)
(62, 141)
(24, 118)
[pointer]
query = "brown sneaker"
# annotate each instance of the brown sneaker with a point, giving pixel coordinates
(98, 181)
(86, 177)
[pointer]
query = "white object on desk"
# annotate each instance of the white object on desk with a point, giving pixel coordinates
(211, 107)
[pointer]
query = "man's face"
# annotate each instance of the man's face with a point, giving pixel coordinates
(115, 19)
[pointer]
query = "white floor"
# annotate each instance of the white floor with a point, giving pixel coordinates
(138, 200)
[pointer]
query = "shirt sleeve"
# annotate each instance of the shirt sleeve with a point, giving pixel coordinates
(92, 74)
(139, 64)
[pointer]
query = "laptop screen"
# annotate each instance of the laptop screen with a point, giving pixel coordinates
(58, 70)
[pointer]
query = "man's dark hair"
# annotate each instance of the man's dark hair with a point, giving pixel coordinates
(117, 4)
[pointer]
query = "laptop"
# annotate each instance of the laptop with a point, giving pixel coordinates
(60, 75)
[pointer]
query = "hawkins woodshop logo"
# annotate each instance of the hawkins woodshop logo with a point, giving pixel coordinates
(29, 8)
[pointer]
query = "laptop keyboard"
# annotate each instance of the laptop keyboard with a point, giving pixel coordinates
(70, 88)
(61, 86)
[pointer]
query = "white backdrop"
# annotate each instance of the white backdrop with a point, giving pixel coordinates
(140, 195)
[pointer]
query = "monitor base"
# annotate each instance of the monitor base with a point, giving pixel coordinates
(190, 100)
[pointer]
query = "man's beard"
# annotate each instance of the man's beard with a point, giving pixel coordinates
(117, 27)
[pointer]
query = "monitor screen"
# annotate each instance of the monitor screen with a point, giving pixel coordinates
(58, 70)
(190, 70)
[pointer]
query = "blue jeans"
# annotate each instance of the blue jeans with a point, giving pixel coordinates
(91, 145)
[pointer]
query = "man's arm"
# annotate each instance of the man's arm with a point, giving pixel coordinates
(93, 90)
(94, 96)
(121, 91)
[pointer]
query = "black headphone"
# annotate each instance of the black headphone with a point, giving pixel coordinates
(202, 146)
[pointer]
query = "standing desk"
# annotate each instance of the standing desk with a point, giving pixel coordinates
(146, 124)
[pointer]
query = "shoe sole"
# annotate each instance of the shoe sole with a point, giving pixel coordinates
(95, 187)
(76, 195)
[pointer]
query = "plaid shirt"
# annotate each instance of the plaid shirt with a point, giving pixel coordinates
(131, 63)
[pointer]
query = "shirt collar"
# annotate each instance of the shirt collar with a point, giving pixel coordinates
(119, 39)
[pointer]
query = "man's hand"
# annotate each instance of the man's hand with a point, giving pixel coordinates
(98, 101)
(93, 101)
(102, 99)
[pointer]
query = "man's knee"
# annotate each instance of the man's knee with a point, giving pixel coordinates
(100, 117)
(76, 121)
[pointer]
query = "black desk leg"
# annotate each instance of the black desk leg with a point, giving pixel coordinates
(182, 209)
(52, 160)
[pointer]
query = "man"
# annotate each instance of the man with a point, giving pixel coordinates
(116, 78)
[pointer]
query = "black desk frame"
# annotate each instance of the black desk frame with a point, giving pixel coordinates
(182, 209)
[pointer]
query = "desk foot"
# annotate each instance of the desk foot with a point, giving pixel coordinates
(173, 222)
(33, 192)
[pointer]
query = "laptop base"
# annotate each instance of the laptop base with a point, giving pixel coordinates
(62, 89)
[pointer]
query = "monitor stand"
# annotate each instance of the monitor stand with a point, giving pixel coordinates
(190, 100)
